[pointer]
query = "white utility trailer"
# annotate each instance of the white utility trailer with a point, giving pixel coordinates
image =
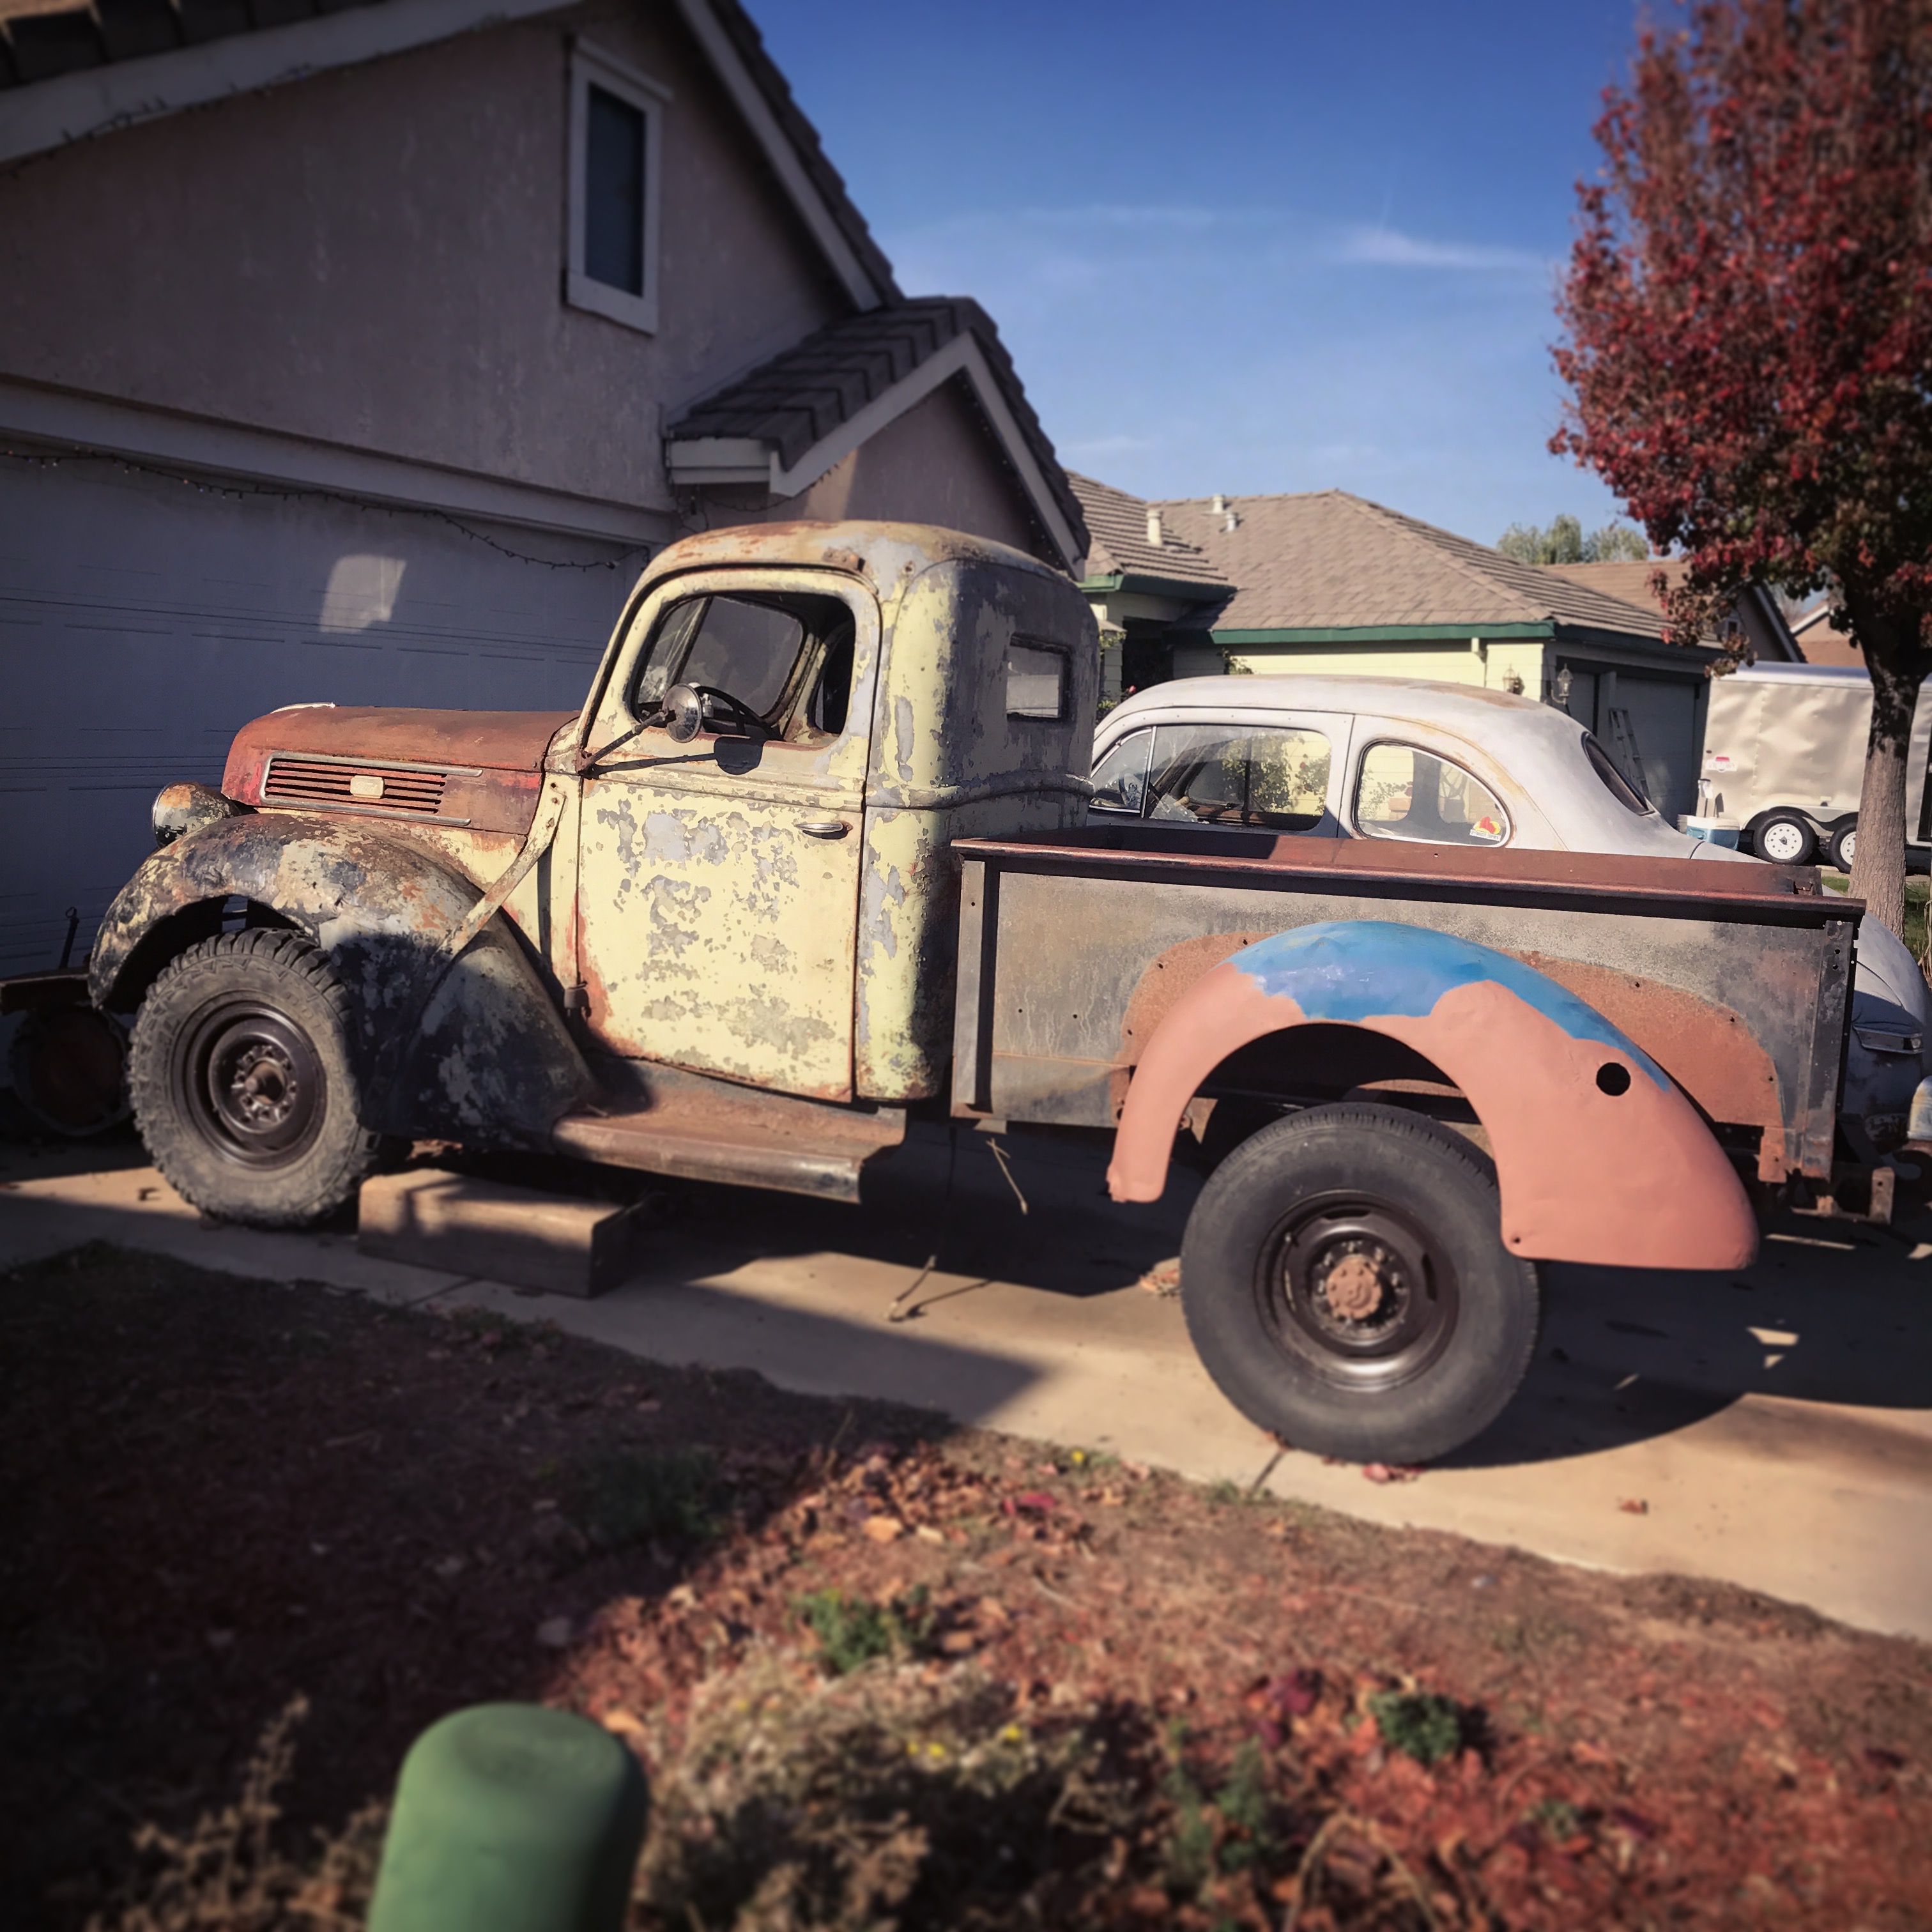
(1784, 760)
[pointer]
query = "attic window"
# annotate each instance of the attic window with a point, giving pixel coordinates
(616, 150)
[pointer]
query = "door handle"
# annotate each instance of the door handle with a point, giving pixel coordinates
(823, 828)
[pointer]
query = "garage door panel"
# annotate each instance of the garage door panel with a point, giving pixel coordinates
(141, 625)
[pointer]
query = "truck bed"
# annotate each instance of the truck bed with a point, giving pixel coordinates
(1735, 979)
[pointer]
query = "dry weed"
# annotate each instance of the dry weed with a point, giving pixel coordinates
(230, 1874)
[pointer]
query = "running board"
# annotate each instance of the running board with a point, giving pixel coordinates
(701, 1129)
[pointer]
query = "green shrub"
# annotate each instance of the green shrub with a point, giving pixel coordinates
(1427, 1727)
(632, 1496)
(851, 1631)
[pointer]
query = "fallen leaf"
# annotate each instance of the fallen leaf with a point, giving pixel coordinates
(623, 1723)
(1391, 1472)
(927, 1534)
(1634, 1506)
(884, 1528)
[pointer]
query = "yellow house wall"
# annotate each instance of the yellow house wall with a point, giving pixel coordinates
(1445, 663)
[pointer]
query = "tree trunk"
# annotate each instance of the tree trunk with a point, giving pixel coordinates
(1897, 662)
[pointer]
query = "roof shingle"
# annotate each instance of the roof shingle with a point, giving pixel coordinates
(799, 398)
(1117, 524)
(1326, 560)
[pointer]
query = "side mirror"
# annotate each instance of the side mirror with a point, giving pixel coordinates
(683, 714)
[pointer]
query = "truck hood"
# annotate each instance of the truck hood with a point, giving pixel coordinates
(478, 769)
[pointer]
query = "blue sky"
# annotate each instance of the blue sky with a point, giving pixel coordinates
(1241, 246)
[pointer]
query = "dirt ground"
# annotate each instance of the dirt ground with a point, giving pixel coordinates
(881, 1673)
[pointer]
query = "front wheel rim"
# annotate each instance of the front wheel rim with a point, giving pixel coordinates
(1356, 1293)
(247, 1079)
(1782, 842)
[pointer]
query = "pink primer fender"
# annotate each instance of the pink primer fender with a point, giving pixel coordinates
(1599, 1158)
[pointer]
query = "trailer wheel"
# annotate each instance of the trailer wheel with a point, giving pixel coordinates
(1346, 1286)
(1786, 838)
(1844, 846)
(241, 1083)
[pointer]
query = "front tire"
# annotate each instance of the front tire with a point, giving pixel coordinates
(241, 1082)
(1346, 1286)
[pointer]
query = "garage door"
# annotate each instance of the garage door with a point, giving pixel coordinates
(143, 620)
(1662, 713)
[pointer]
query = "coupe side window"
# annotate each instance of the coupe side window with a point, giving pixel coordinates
(1265, 780)
(1120, 779)
(1403, 792)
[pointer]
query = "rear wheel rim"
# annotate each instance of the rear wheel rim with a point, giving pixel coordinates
(248, 1080)
(1355, 1292)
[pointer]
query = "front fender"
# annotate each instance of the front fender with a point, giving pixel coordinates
(473, 1048)
(1599, 1158)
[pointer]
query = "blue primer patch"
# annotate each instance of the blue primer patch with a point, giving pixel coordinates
(1355, 969)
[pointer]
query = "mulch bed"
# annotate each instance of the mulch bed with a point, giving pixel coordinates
(882, 1672)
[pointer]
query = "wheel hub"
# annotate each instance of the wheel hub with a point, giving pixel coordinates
(263, 1089)
(250, 1082)
(1354, 1286)
(1358, 1292)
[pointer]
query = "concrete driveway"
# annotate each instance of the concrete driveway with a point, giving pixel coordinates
(1773, 1428)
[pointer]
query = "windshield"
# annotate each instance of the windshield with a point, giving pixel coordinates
(1614, 783)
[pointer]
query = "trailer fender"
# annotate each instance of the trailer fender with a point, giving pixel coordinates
(472, 1046)
(1599, 1158)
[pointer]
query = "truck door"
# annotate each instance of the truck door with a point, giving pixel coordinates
(718, 880)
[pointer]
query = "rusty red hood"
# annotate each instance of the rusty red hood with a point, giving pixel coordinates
(481, 769)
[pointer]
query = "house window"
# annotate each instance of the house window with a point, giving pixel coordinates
(615, 146)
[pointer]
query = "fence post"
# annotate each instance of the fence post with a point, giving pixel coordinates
(512, 1818)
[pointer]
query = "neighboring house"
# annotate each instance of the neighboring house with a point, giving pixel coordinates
(363, 353)
(1754, 612)
(1818, 643)
(1329, 583)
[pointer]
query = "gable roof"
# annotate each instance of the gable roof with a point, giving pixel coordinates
(1327, 560)
(1117, 524)
(73, 69)
(790, 421)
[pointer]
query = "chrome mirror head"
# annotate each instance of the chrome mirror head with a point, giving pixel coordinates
(683, 714)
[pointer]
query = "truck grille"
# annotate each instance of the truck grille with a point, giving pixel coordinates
(358, 788)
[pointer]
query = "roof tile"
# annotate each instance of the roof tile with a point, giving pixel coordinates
(800, 396)
(1326, 560)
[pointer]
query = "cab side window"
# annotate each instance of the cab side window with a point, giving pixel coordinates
(787, 659)
(1404, 792)
(1262, 779)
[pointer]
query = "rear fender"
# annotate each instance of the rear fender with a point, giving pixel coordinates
(472, 1048)
(1599, 1158)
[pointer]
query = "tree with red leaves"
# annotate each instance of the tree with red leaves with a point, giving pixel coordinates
(1749, 308)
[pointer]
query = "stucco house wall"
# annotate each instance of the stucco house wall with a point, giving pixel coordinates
(373, 256)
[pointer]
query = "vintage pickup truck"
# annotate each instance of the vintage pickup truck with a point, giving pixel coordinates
(813, 858)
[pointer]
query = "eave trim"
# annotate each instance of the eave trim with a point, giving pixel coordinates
(702, 460)
(43, 115)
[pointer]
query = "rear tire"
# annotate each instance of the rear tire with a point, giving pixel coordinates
(1786, 838)
(241, 1082)
(1844, 846)
(1346, 1286)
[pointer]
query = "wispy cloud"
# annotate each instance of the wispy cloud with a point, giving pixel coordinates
(1088, 448)
(1389, 248)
